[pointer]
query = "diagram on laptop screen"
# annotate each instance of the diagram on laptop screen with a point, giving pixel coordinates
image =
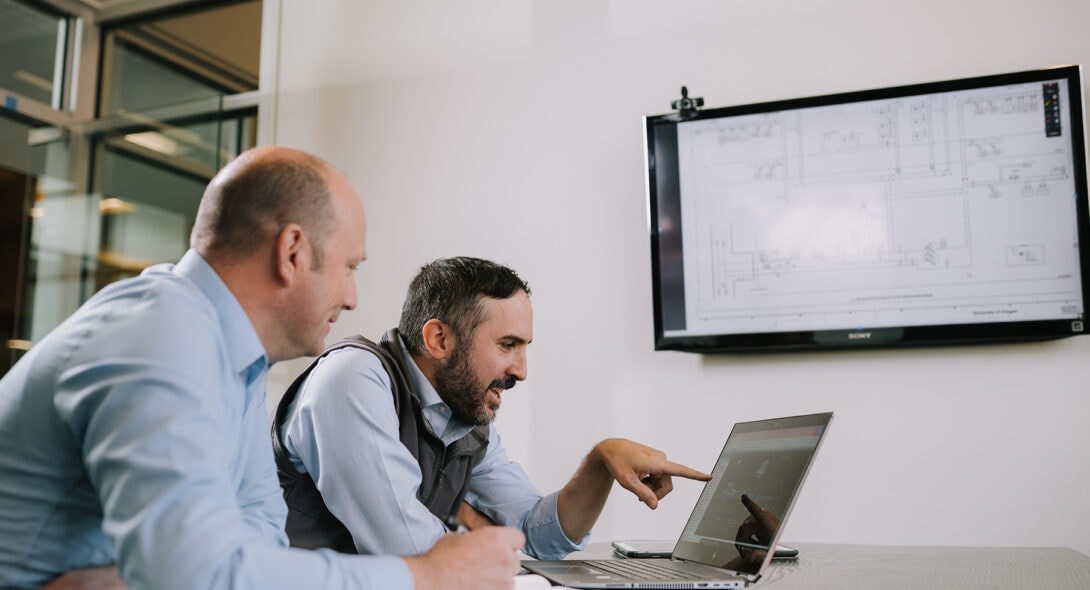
(955, 207)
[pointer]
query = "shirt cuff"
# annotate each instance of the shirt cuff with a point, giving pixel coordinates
(379, 572)
(545, 539)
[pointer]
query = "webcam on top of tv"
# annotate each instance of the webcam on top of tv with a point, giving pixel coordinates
(686, 106)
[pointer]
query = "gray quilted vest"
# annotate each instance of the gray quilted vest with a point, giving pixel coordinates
(446, 470)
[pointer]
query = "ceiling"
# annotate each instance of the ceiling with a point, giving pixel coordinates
(109, 11)
(132, 6)
(228, 35)
(101, 4)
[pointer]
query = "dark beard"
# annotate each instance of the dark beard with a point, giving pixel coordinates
(463, 393)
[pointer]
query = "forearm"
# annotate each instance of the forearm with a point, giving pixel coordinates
(472, 518)
(582, 499)
(642, 470)
(94, 578)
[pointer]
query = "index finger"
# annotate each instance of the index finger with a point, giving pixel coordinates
(753, 507)
(671, 468)
(760, 514)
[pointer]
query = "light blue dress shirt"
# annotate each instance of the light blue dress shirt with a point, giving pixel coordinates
(135, 433)
(342, 429)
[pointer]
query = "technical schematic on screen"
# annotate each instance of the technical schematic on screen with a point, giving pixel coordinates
(948, 208)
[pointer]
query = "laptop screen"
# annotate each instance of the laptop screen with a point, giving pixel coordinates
(753, 486)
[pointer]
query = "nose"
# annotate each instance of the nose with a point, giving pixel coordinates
(350, 294)
(518, 366)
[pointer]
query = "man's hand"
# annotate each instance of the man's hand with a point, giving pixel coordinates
(93, 578)
(757, 531)
(484, 559)
(472, 518)
(642, 470)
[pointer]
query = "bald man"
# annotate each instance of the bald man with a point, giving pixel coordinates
(135, 436)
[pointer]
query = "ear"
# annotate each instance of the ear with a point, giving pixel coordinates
(438, 339)
(292, 253)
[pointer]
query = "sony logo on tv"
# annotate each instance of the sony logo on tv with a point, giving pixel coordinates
(859, 336)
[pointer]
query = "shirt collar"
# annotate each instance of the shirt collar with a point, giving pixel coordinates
(244, 349)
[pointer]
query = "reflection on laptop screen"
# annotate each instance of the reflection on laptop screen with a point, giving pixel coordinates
(767, 462)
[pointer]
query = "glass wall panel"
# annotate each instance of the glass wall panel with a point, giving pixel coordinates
(203, 145)
(31, 40)
(46, 229)
(150, 180)
(95, 201)
(210, 51)
(147, 214)
(60, 243)
(140, 80)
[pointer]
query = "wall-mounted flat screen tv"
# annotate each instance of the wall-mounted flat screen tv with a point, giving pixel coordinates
(938, 213)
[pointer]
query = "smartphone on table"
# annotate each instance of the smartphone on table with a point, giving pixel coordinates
(659, 548)
(643, 548)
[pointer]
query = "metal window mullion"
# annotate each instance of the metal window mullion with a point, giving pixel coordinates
(105, 75)
(268, 82)
(73, 55)
(83, 51)
(33, 110)
(60, 60)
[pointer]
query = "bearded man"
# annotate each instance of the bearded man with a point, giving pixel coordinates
(382, 447)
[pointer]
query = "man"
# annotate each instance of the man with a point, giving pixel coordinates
(380, 446)
(135, 433)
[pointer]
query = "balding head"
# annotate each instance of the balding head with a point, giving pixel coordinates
(284, 231)
(255, 195)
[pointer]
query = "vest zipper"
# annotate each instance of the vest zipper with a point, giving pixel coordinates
(438, 477)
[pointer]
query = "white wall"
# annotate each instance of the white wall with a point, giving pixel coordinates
(511, 129)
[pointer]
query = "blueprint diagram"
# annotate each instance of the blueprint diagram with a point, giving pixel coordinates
(954, 207)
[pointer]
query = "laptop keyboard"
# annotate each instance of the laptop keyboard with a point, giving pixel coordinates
(639, 569)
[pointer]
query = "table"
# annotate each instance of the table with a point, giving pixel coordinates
(892, 567)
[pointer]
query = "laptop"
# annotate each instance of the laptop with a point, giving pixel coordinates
(739, 515)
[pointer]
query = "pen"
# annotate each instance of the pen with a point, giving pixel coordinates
(455, 525)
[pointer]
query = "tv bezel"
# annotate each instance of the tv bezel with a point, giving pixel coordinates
(878, 337)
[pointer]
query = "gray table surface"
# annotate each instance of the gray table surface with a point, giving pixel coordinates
(889, 567)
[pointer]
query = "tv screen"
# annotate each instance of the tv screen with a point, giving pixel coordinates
(938, 213)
